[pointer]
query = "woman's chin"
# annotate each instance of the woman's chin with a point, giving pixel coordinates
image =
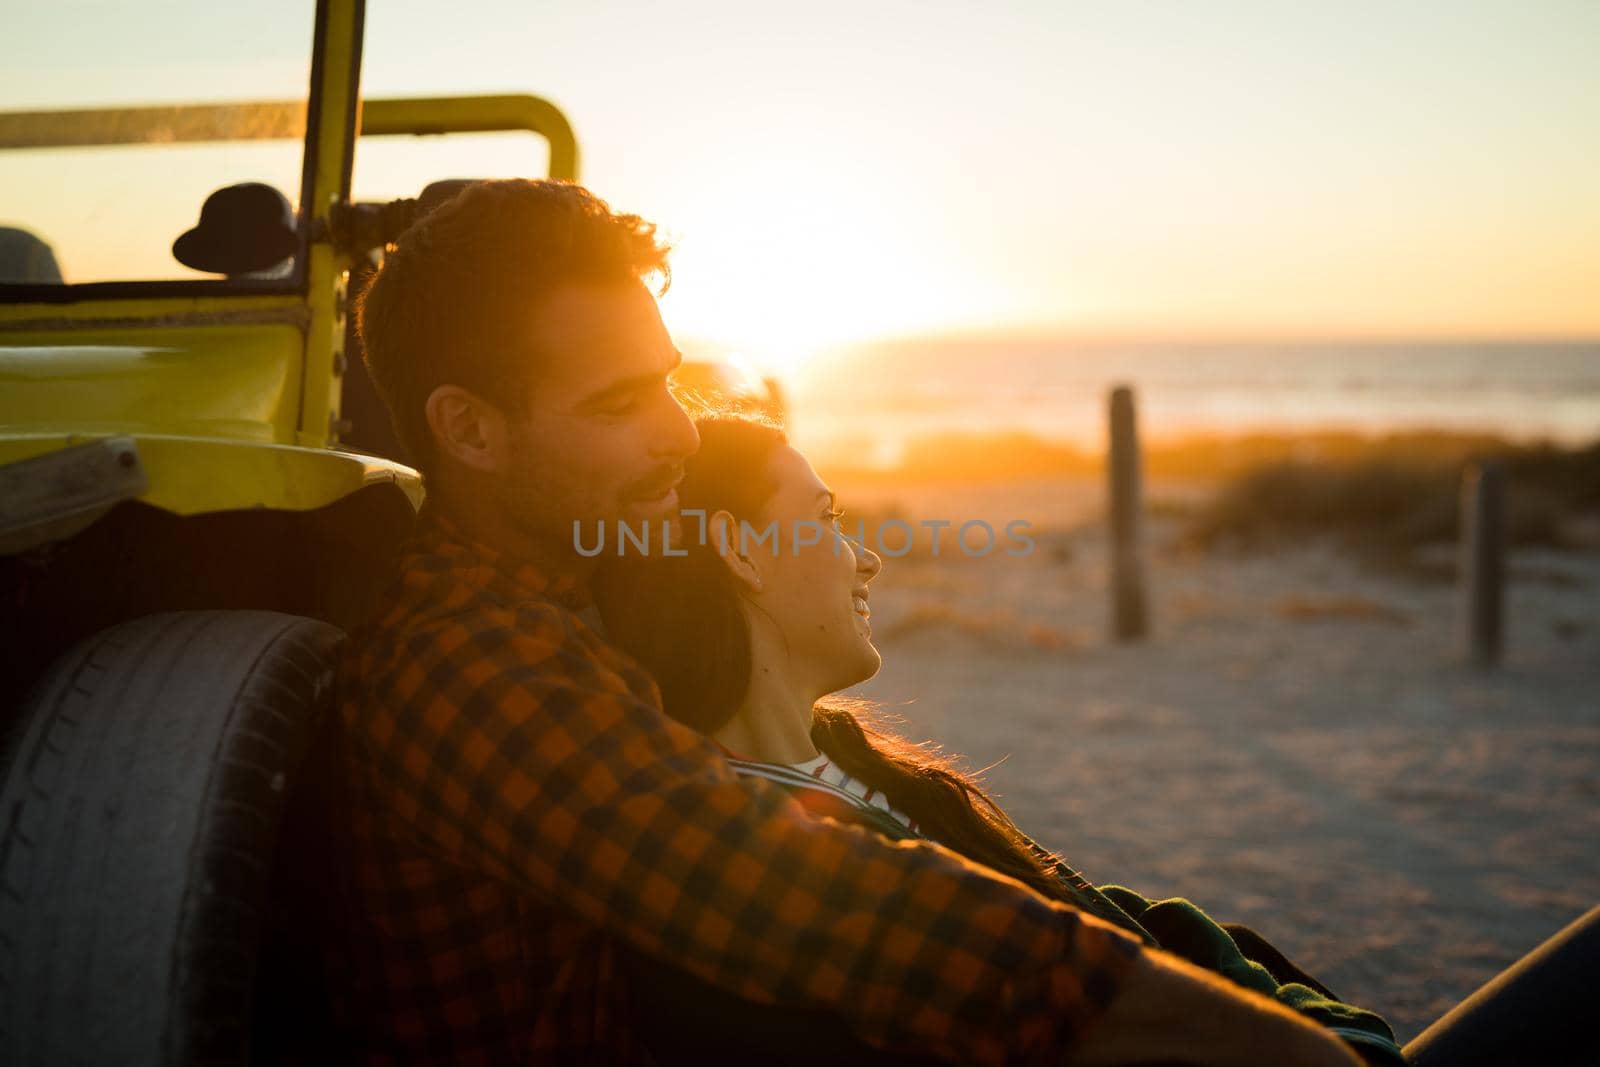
(871, 662)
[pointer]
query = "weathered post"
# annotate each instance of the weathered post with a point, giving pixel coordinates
(1483, 562)
(1129, 616)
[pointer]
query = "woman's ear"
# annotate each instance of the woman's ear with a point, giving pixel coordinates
(724, 530)
(467, 428)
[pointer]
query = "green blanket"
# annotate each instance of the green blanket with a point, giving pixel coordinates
(1181, 928)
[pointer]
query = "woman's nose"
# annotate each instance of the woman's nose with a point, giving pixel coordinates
(868, 562)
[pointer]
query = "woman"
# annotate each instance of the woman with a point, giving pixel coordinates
(749, 638)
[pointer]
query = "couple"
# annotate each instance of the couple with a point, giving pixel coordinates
(608, 818)
(749, 640)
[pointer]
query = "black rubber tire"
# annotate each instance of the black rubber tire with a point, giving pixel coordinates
(138, 827)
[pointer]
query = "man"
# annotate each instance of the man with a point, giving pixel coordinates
(520, 808)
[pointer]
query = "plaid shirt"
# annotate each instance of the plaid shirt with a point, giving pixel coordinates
(518, 804)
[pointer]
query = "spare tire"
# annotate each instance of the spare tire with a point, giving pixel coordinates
(139, 820)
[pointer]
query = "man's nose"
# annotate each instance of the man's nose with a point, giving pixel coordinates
(678, 438)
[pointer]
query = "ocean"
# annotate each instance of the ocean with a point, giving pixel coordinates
(875, 400)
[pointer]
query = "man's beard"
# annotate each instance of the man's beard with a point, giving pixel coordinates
(547, 520)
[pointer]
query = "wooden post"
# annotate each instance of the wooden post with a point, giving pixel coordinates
(1129, 615)
(1483, 561)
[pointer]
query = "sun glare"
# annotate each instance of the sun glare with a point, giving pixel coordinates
(778, 298)
(782, 261)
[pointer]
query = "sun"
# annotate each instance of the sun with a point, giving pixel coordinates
(782, 263)
(778, 314)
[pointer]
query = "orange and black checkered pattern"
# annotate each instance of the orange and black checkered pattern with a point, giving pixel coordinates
(518, 804)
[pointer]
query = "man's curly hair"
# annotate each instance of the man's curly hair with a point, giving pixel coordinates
(454, 298)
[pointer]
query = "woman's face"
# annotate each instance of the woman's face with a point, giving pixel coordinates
(816, 593)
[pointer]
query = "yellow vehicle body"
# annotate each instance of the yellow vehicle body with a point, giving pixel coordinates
(214, 410)
(233, 400)
(139, 366)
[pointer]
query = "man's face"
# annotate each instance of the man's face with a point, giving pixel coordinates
(604, 439)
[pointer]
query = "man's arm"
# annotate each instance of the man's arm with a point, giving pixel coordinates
(514, 753)
(1170, 1011)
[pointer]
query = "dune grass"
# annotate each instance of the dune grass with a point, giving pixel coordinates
(997, 456)
(1388, 499)
(1382, 495)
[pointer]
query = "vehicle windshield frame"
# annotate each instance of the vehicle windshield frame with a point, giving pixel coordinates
(294, 282)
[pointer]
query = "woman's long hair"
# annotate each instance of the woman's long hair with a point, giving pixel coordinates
(680, 618)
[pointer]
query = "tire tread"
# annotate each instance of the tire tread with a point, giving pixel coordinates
(138, 823)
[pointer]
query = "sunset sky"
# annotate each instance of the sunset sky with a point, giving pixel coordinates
(855, 169)
(842, 171)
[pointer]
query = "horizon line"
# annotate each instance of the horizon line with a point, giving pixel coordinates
(1131, 335)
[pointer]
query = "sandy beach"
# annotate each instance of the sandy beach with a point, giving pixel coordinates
(1297, 746)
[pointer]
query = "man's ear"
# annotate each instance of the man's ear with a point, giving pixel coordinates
(467, 428)
(723, 531)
